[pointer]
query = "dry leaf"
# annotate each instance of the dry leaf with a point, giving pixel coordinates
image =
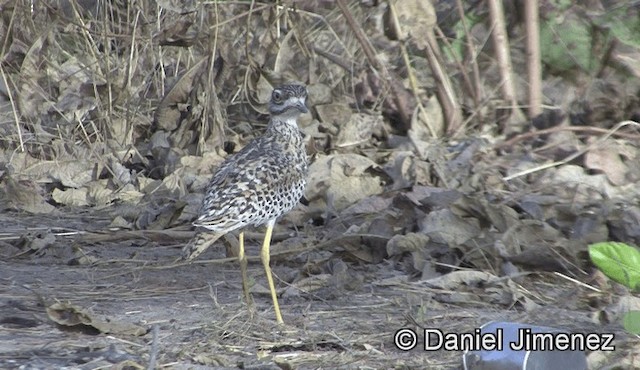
(100, 193)
(416, 245)
(369, 205)
(71, 197)
(129, 193)
(334, 114)
(307, 285)
(358, 129)
(609, 162)
(37, 241)
(461, 279)
(416, 19)
(25, 195)
(178, 6)
(286, 54)
(171, 110)
(443, 226)
(72, 174)
(342, 179)
(70, 315)
(406, 170)
(425, 131)
(584, 188)
(175, 184)
(411, 242)
(319, 94)
(501, 216)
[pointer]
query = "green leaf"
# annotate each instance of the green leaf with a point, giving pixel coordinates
(623, 23)
(618, 261)
(566, 44)
(631, 322)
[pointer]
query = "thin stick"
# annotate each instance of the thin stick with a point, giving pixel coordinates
(444, 92)
(153, 355)
(587, 129)
(534, 69)
(412, 78)
(572, 156)
(357, 30)
(501, 46)
(577, 282)
(476, 87)
(13, 108)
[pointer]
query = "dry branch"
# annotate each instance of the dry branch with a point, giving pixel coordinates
(533, 58)
(475, 88)
(503, 57)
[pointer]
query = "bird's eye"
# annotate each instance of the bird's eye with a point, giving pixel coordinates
(276, 96)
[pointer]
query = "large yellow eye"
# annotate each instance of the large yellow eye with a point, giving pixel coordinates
(276, 96)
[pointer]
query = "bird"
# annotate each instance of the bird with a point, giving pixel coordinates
(257, 185)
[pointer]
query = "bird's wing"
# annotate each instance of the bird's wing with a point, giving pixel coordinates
(236, 186)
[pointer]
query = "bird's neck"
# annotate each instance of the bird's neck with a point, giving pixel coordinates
(283, 125)
(285, 134)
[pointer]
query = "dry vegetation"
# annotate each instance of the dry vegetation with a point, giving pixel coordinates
(432, 201)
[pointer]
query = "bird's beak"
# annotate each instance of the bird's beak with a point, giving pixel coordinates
(302, 107)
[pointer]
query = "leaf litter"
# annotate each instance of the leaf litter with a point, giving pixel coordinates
(121, 123)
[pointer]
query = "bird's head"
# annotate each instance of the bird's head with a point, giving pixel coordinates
(288, 101)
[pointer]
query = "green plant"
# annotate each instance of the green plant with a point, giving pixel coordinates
(620, 262)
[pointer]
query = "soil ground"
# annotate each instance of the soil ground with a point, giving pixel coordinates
(193, 316)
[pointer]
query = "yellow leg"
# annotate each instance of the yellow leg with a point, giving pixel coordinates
(264, 255)
(242, 258)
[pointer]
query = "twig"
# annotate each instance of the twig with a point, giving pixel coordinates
(501, 46)
(412, 78)
(572, 156)
(153, 355)
(14, 109)
(534, 69)
(475, 87)
(333, 58)
(375, 63)
(444, 91)
(465, 76)
(357, 30)
(577, 282)
(594, 130)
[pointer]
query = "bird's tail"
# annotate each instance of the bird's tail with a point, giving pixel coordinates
(200, 242)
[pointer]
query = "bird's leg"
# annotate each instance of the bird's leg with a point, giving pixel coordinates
(264, 254)
(242, 258)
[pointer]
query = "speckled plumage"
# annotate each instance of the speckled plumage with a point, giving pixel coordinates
(258, 184)
(261, 182)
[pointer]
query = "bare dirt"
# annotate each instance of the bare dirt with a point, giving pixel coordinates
(193, 316)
